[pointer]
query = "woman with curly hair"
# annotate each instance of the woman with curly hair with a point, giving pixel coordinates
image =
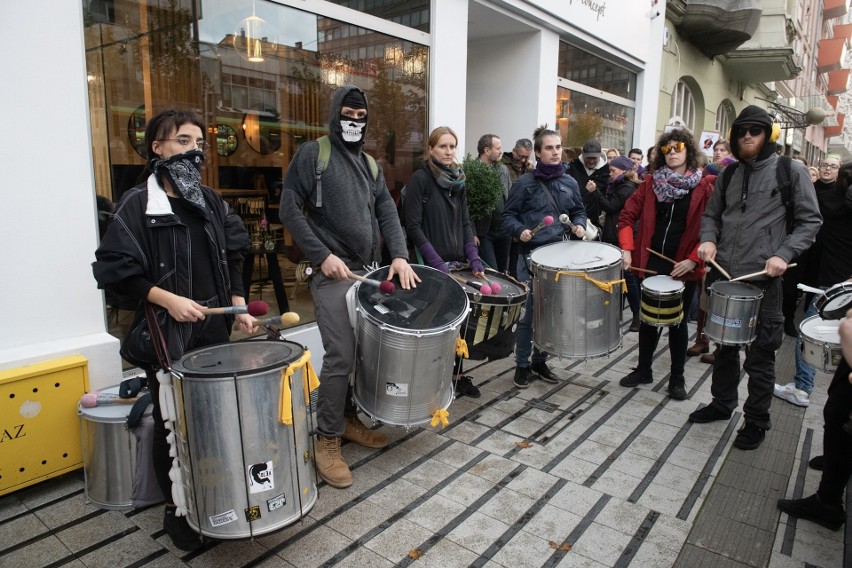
(668, 205)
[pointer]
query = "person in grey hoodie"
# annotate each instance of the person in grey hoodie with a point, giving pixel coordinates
(338, 224)
(744, 230)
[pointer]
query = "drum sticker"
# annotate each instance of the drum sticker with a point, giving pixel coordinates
(252, 513)
(260, 477)
(728, 322)
(396, 389)
(276, 502)
(223, 518)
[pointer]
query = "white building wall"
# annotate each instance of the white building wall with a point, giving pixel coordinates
(447, 69)
(49, 231)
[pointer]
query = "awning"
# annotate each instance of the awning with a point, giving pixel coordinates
(838, 82)
(835, 130)
(843, 30)
(833, 9)
(832, 52)
(833, 100)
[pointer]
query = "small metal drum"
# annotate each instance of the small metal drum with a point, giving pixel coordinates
(406, 344)
(577, 288)
(244, 472)
(662, 301)
(109, 454)
(835, 302)
(493, 322)
(733, 314)
(821, 343)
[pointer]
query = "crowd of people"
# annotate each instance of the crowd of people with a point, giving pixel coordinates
(730, 214)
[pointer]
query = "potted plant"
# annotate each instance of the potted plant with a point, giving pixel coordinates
(483, 185)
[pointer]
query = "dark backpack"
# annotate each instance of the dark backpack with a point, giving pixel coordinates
(783, 176)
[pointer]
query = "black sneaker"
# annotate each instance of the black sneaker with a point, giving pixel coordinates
(790, 328)
(677, 391)
(813, 509)
(634, 325)
(817, 463)
(708, 414)
(179, 531)
(636, 378)
(522, 377)
(465, 387)
(749, 436)
(544, 373)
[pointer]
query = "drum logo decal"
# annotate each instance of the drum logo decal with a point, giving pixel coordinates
(396, 389)
(276, 502)
(260, 477)
(223, 518)
(252, 513)
(726, 322)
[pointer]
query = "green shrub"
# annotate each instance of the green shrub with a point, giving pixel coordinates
(484, 187)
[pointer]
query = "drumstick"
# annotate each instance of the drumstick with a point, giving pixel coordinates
(287, 319)
(546, 222)
(96, 398)
(720, 269)
(495, 286)
(637, 269)
(485, 289)
(664, 257)
(256, 308)
(753, 274)
(811, 289)
(385, 286)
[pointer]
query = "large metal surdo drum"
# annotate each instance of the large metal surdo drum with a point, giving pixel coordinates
(577, 289)
(406, 344)
(493, 322)
(244, 472)
(733, 314)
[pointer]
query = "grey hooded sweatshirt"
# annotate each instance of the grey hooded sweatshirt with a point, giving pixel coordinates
(355, 210)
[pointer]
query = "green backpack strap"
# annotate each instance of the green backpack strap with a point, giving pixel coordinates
(322, 165)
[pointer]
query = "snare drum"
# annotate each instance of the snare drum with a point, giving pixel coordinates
(493, 321)
(243, 471)
(112, 467)
(405, 346)
(733, 314)
(577, 289)
(835, 302)
(821, 343)
(662, 301)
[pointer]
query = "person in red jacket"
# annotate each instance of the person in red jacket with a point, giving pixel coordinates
(668, 206)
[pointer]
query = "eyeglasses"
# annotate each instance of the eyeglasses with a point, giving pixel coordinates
(186, 141)
(826, 166)
(754, 130)
(676, 146)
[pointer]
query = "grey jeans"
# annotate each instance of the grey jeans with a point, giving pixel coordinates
(338, 340)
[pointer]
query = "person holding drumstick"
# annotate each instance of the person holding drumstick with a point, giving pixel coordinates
(668, 205)
(745, 229)
(145, 255)
(438, 223)
(547, 191)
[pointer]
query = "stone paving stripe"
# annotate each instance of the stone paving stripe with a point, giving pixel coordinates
(148, 559)
(578, 531)
(31, 510)
(798, 489)
(582, 438)
(638, 538)
(53, 532)
(704, 477)
(658, 464)
(439, 535)
(355, 500)
(510, 533)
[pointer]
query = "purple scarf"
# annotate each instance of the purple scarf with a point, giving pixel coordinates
(548, 171)
(669, 185)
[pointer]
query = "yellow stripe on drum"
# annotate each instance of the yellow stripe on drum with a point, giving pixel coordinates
(661, 311)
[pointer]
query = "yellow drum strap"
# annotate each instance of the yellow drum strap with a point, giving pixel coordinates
(605, 286)
(310, 382)
(461, 348)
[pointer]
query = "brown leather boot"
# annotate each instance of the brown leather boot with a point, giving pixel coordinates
(357, 432)
(330, 465)
(701, 346)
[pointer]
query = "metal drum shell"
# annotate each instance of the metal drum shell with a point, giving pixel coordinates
(573, 318)
(228, 421)
(656, 301)
(403, 376)
(821, 347)
(732, 316)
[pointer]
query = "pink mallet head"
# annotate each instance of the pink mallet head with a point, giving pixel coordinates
(485, 289)
(387, 287)
(89, 400)
(495, 287)
(547, 221)
(257, 308)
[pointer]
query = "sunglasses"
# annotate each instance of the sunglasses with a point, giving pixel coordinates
(753, 130)
(676, 146)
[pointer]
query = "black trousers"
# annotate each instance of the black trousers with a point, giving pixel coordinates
(837, 442)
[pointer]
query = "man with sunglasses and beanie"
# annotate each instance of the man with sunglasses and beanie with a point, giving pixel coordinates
(744, 230)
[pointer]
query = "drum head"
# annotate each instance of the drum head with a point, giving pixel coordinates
(835, 302)
(820, 330)
(437, 302)
(107, 412)
(662, 283)
(240, 358)
(511, 291)
(576, 255)
(736, 289)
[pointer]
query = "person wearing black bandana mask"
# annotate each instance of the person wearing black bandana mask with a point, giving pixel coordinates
(167, 244)
(527, 206)
(338, 224)
(744, 230)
